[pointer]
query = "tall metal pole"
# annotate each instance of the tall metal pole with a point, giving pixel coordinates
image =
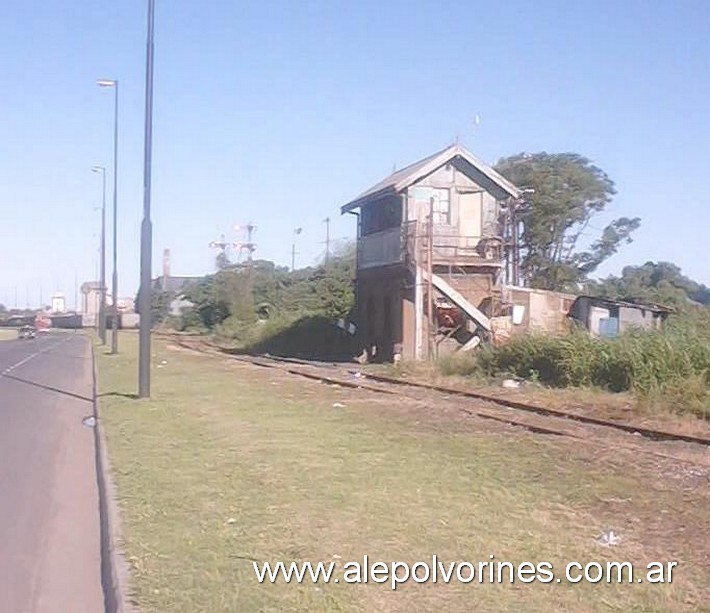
(102, 306)
(431, 330)
(296, 232)
(102, 271)
(114, 279)
(327, 240)
(146, 225)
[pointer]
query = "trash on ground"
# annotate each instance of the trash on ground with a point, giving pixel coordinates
(608, 539)
(89, 422)
(338, 405)
(511, 384)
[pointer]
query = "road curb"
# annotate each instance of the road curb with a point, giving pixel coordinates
(114, 567)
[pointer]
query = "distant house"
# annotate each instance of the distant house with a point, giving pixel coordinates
(605, 317)
(90, 297)
(430, 237)
(58, 303)
(177, 286)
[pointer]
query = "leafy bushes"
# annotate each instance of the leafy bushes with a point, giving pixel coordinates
(672, 366)
(270, 308)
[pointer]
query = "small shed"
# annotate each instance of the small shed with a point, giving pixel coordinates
(606, 317)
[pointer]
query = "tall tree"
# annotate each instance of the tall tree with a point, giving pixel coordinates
(567, 191)
(653, 281)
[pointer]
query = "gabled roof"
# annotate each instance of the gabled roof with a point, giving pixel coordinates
(409, 175)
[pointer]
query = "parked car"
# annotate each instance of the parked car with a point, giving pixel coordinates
(26, 332)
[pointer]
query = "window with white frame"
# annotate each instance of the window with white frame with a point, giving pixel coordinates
(422, 197)
(442, 205)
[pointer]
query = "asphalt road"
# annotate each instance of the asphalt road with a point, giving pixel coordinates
(49, 506)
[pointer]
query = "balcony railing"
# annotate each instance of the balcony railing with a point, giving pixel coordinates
(409, 242)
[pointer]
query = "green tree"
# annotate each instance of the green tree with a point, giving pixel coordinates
(653, 281)
(567, 191)
(229, 299)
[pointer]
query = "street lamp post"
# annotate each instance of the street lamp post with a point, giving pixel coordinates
(114, 280)
(102, 278)
(144, 298)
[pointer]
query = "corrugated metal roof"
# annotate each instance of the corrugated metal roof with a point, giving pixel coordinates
(401, 179)
(633, 303)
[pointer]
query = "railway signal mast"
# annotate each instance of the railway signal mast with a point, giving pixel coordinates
(248, 244)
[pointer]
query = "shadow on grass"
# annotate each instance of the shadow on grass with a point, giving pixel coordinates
(312, 337)
(119, 394)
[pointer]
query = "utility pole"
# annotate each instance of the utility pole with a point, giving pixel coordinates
(516, 248)
(250, 244)
(430, 281)
(296, 232)
(327, 240)
(102, 269)
(145, 296)
(114, 281)
(250, 248)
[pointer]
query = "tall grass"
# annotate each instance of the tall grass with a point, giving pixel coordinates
(670, 367)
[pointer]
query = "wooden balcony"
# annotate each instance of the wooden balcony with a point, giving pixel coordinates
(409, 243)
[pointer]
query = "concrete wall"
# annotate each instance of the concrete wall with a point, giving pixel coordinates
(479, 289)
(381, 294)
(628, 317)
(527, 310)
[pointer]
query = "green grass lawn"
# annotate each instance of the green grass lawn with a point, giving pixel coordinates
(230, 463)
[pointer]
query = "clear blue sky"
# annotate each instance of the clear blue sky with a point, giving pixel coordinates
(279, 112)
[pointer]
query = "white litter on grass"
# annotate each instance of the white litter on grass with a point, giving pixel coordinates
(608, 539)
(511, 384)
(231, 520)
(338, 405)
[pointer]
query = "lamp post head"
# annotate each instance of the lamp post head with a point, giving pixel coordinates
(100, 169)
(106, 82)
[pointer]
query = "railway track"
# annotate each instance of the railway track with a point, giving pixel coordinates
(534, 418)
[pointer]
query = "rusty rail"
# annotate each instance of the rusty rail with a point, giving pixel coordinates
(263, 361)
